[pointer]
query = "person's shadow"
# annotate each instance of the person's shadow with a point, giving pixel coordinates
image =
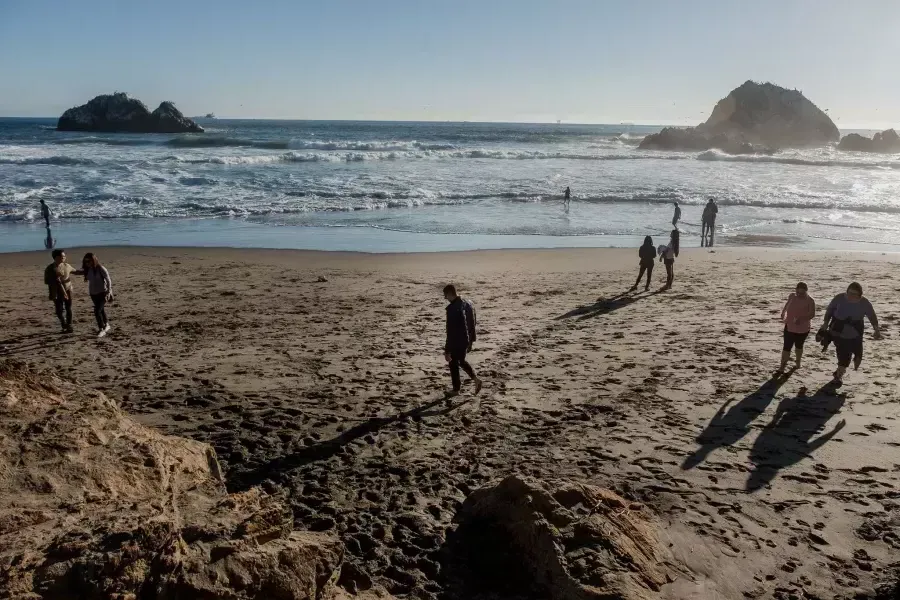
(788, 438)
(730, 425)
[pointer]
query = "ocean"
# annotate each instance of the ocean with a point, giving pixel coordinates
(379, 186)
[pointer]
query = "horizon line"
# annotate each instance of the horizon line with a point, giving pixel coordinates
(856, 126)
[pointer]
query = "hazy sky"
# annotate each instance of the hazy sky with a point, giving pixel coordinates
(644, 61)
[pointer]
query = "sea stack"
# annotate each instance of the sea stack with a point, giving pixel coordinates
(887, 142)
(117, 113)
(752, 118)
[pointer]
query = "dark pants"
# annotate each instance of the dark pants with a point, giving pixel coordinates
(649, 270)
(670, 271)
(100, 309)
(794, 340)
(848, 350)
(708, 233)
(61, 303)
(457, 360)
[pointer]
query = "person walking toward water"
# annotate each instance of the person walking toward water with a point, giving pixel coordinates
(647, 254)
(460, 337)
(677, 216)
(708, 231)
(797, 316)
(567, 197)
(57, 276)
(99, 287)
(45, 213)
(845, 324)
(667, 256)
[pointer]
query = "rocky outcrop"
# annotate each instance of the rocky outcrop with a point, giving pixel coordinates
(887, 142)
(118, 113)
(563, 541)
(754, 115)
(94, 505)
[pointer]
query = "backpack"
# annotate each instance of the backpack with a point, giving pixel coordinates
(469, 310)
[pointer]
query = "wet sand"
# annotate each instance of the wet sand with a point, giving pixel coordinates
(332, 392)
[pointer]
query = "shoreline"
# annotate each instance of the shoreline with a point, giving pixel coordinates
(242, 233)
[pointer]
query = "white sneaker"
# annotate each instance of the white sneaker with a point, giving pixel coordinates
(107, 328)
(102, 333)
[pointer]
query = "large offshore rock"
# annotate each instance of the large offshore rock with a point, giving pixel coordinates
(119, 113)
(753, 115)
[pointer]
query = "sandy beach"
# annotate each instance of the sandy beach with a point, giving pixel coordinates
(321, 376)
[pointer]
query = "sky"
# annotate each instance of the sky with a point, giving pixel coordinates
(581, 61)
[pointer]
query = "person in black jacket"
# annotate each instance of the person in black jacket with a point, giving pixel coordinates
(460, 337)
(647, 254)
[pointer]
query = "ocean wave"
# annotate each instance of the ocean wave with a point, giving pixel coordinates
(47, 160)
(713, 155)
(197, 181)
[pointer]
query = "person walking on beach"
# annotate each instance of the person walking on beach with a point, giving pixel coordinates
(460, 337)
(99, 287)
(677, 216)
(708, 230)
(797, 316)
(845, 324)
(667, 256)
(567, 197)
(45, 212)
(647, 254)
(58, 277)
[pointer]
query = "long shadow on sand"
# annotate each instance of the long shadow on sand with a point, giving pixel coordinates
(788, 438)
(729, 426)
(328, 448)
(607, 305)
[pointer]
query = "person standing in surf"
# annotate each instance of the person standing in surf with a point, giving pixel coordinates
(45, 213)
(845, 324)
(647, 255)
(708, 231)
(460, 337)
(677, 216)
(567, 196)
(668, 255)
(797, 316)
(99, 287)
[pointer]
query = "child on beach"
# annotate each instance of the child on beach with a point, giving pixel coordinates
(797, 315)
(99, 287)
(667, 256)
(647, 254)
(57, 277)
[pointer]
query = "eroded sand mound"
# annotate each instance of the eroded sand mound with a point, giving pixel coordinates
(92, 504)
(564, 541)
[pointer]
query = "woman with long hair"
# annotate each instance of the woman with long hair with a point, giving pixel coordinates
(844, 325)
(647, 254)
(99, 287)
(667, 256)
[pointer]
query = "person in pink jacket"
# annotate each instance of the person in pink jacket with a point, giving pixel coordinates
(797, 316)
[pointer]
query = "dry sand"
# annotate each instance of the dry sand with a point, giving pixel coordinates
(332, 391)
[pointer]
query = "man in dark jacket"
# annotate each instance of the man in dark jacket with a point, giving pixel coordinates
(460, 337)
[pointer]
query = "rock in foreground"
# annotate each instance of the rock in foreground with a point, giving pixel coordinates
(753, 115)
(117, 112)
(887, 142)
(94, 505)
(563, 541)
